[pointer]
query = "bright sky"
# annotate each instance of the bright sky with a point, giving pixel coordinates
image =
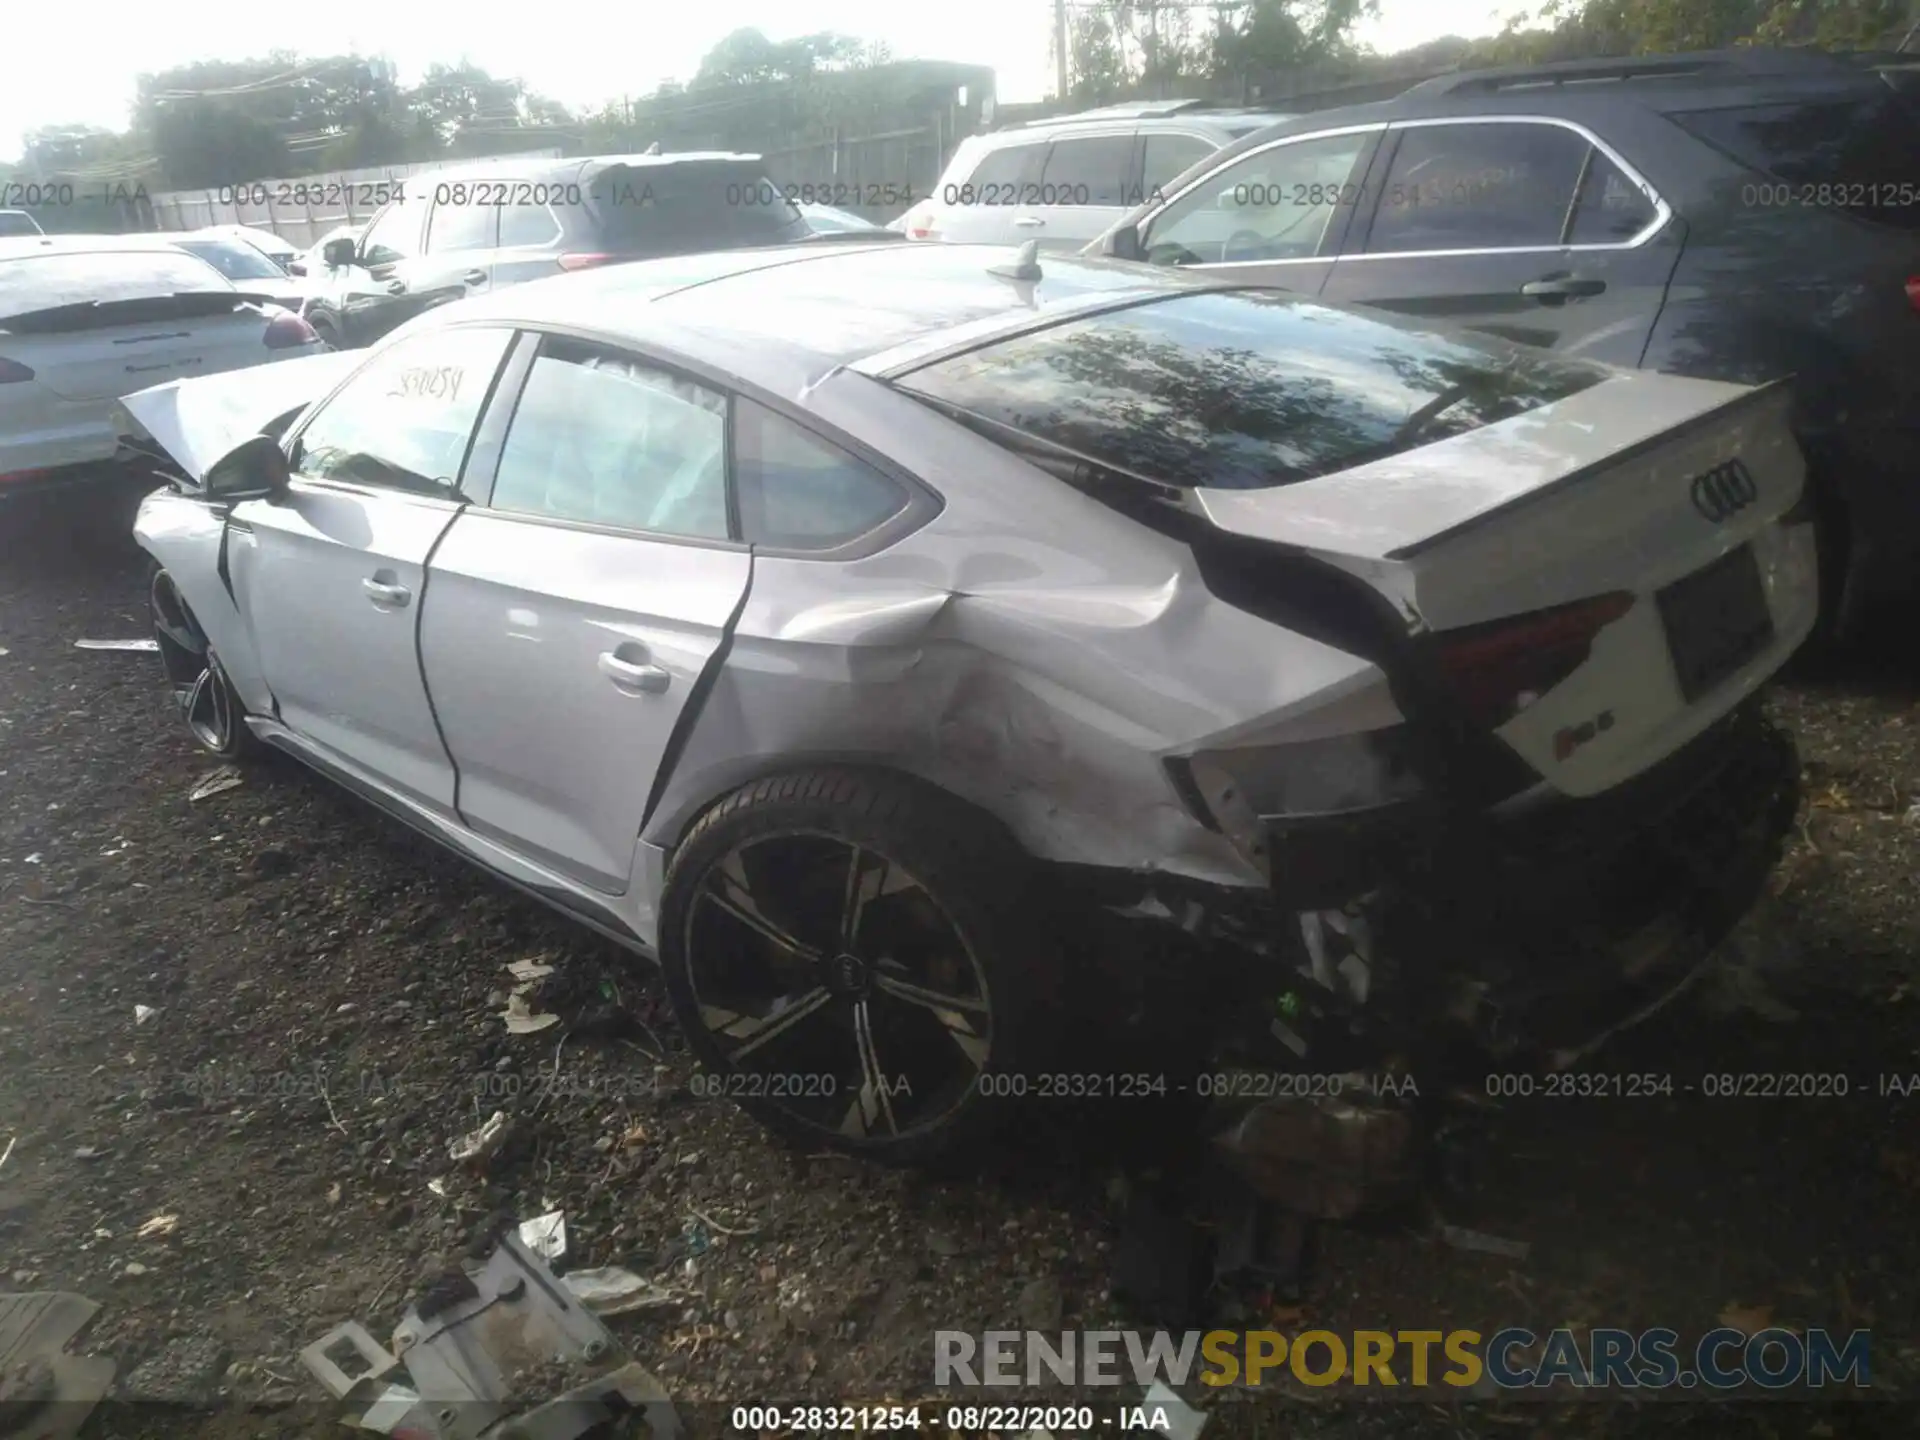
(579, 57)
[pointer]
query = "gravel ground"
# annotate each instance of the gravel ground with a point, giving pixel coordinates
(323, 990)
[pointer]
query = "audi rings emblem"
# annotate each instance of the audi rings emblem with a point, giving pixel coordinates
(1723, 490)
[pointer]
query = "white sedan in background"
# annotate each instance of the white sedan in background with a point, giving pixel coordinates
(86, 319)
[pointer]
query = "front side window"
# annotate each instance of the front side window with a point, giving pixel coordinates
(1274, 204)
(605, 439)
(394, 236)
(404, 421)
(1481, 186)
(1239, 389)
(799, 492)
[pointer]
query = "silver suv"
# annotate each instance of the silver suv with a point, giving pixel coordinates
(1065, 181)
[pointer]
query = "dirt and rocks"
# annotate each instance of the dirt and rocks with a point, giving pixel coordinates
(239, 1035)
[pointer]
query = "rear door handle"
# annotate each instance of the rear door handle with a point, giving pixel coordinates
(385, 594)
(1029, 222)
(396, 287)
(1562, 287)
(635, 677)
(475, 277)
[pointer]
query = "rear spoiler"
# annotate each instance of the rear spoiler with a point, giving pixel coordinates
(199, 420)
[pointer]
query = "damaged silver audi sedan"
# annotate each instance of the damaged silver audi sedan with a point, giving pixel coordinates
(809, 620)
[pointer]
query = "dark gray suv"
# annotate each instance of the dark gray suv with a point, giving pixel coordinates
(459, 232)
(1740, 215)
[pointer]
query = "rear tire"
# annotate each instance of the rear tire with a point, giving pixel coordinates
(830, 929)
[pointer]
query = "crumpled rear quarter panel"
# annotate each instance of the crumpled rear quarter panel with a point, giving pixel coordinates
(1028, 650)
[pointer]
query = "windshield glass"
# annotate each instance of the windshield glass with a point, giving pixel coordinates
(1244, 389)
(234, 259)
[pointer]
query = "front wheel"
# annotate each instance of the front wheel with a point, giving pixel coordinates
(208, 702)
(843, 949)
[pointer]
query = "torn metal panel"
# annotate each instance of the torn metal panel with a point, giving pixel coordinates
(45, 1392)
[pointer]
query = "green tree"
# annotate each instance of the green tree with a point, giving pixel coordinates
(1569, 29)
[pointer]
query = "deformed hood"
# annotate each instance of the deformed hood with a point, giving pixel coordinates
(198, 420)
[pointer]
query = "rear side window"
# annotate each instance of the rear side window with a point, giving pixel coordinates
(1860, 153)
(42, 282)
(464, 225)
(1478, 186)
(1611, 209)
(1166, 156)
(606, 439)
(799, 492)
(1093, 171)
(1238, 390)
(528, 225)
(682, 208)
(1011, 165)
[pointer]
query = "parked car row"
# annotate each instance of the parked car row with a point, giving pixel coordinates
(1741, 215)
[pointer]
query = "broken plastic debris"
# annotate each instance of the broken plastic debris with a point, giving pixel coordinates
(437, 1186)
(482, 1142)
(520, 1018)
(148, 646)
(529, 969)
(613, 1290)
(143, 1013)
(1462, 1238)
(215, 781)
(546, 1235)
(158, 1226)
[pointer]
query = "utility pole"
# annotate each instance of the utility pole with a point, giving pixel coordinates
(1060, 45)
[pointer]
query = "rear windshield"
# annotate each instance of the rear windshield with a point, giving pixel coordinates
(1859, 153)
(41, 282)
(679, 209)
(1242, 389)
(234, 259)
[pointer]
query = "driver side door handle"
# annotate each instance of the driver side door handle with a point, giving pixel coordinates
(475, 277)
(1029, 222)
(386, 595)
(1562, 287)
(633, 672)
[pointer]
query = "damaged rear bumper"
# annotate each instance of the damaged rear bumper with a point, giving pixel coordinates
(1548, 904)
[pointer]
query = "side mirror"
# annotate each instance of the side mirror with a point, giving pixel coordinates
(296, 267)
(1124, 243)
(255, 469)
(338, 252)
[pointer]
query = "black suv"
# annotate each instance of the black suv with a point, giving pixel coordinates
(459, 232)
(1737, 215)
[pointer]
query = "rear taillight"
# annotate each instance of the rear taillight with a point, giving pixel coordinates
(583, 260)
(287, 330)
(12, 371)
(1496, 670)
(1913, 291)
